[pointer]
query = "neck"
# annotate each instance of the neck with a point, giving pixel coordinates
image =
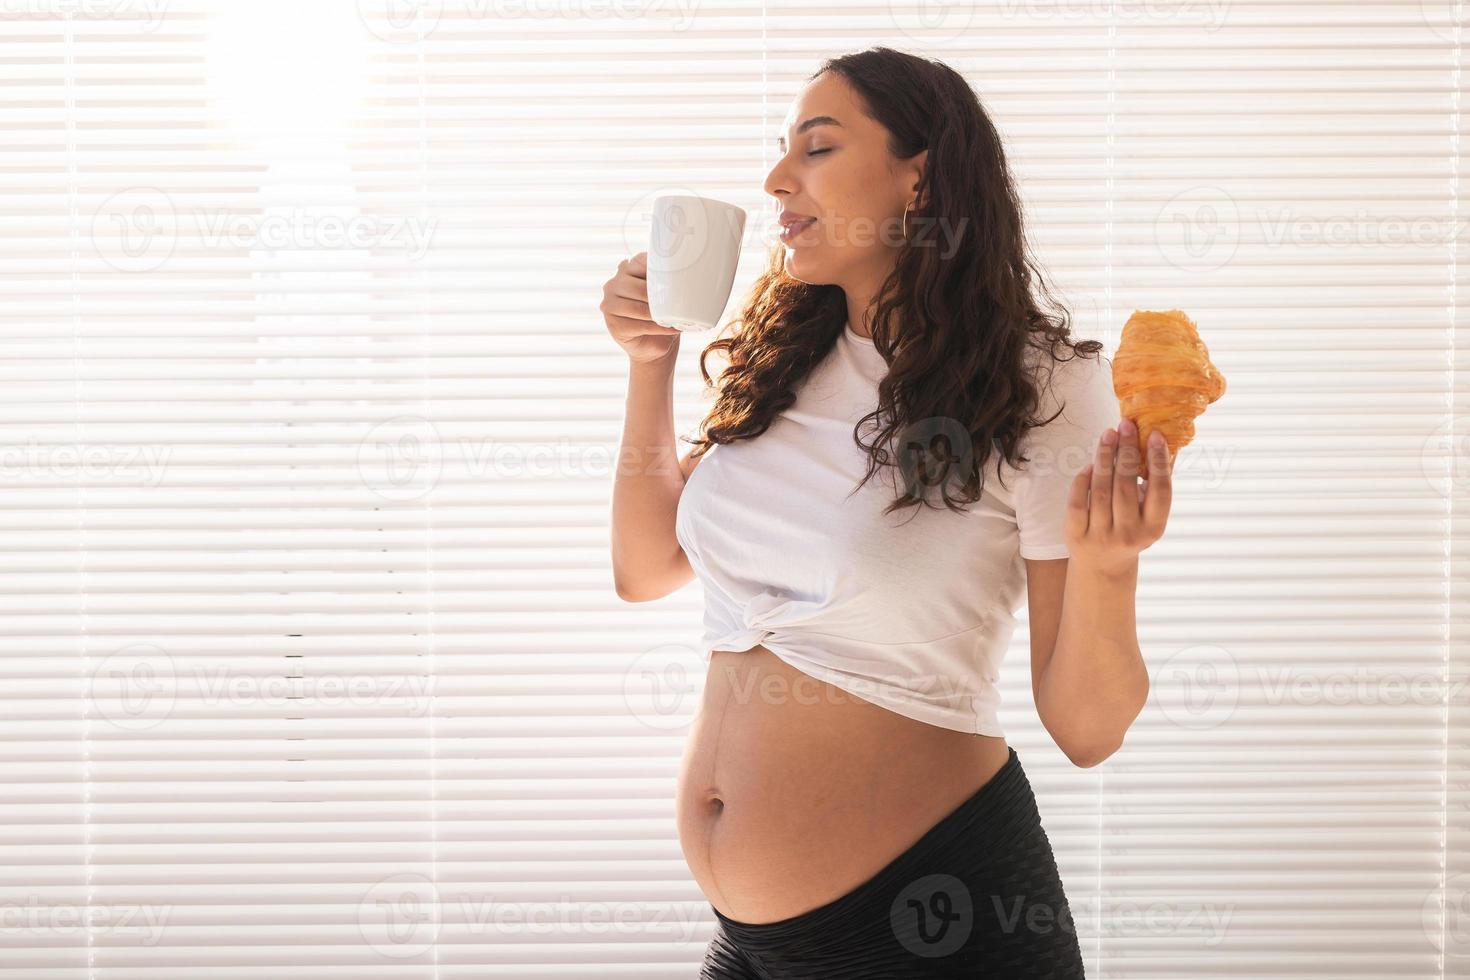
(860, 295)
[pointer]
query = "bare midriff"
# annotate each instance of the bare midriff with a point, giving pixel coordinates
(792, 791)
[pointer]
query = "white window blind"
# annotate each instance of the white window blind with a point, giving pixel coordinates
(312, 665)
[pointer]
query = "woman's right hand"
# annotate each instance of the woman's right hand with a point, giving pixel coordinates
(625, 309)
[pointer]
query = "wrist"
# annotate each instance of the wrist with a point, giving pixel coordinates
(665, 361)
(661, 367)
(1119, 574)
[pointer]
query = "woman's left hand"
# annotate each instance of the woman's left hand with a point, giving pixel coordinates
(1111, 515)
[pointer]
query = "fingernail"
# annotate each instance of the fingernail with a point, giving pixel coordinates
(1126, 428)
(1156, 439)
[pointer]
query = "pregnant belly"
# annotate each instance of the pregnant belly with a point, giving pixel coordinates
(792, 792)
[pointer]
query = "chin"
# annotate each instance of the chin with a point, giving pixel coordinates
(802, 266)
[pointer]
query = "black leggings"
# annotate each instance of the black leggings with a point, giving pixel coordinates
(978, 897)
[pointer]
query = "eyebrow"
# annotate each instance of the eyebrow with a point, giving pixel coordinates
(811, 123)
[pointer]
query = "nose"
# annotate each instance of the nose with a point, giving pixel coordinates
(778, 182)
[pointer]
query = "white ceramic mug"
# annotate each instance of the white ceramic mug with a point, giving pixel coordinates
(693, 250)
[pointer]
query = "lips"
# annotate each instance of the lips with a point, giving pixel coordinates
(793, 225)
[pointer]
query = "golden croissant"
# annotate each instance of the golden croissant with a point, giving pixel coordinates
(1163, 378)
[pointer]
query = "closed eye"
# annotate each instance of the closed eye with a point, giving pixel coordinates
(812, 153)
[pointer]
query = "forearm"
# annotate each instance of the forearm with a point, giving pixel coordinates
(647, 481)
(1096, 682)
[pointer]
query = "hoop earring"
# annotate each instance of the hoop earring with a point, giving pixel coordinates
(906, 218)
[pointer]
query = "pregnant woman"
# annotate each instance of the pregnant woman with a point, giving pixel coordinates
(898, 451)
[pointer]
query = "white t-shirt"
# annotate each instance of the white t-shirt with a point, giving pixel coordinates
(913, 610)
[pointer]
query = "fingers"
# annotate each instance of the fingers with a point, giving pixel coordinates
(616, 305)
(1160, 484)
(625, 300)
(1100, 516)
(627, 283)
(1076, 519)
(629, 327)
(1127, 468)
(1119, 501)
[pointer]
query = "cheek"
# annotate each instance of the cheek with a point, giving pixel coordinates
(858, 200)
(852, 220)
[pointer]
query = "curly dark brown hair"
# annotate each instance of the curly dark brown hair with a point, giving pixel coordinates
(958, 365)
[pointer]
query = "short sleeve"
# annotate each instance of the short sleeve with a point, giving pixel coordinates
(1083, 388)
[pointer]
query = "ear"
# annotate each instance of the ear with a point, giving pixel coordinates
(917, 163)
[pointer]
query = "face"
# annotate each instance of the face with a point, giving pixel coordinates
(833, 165)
